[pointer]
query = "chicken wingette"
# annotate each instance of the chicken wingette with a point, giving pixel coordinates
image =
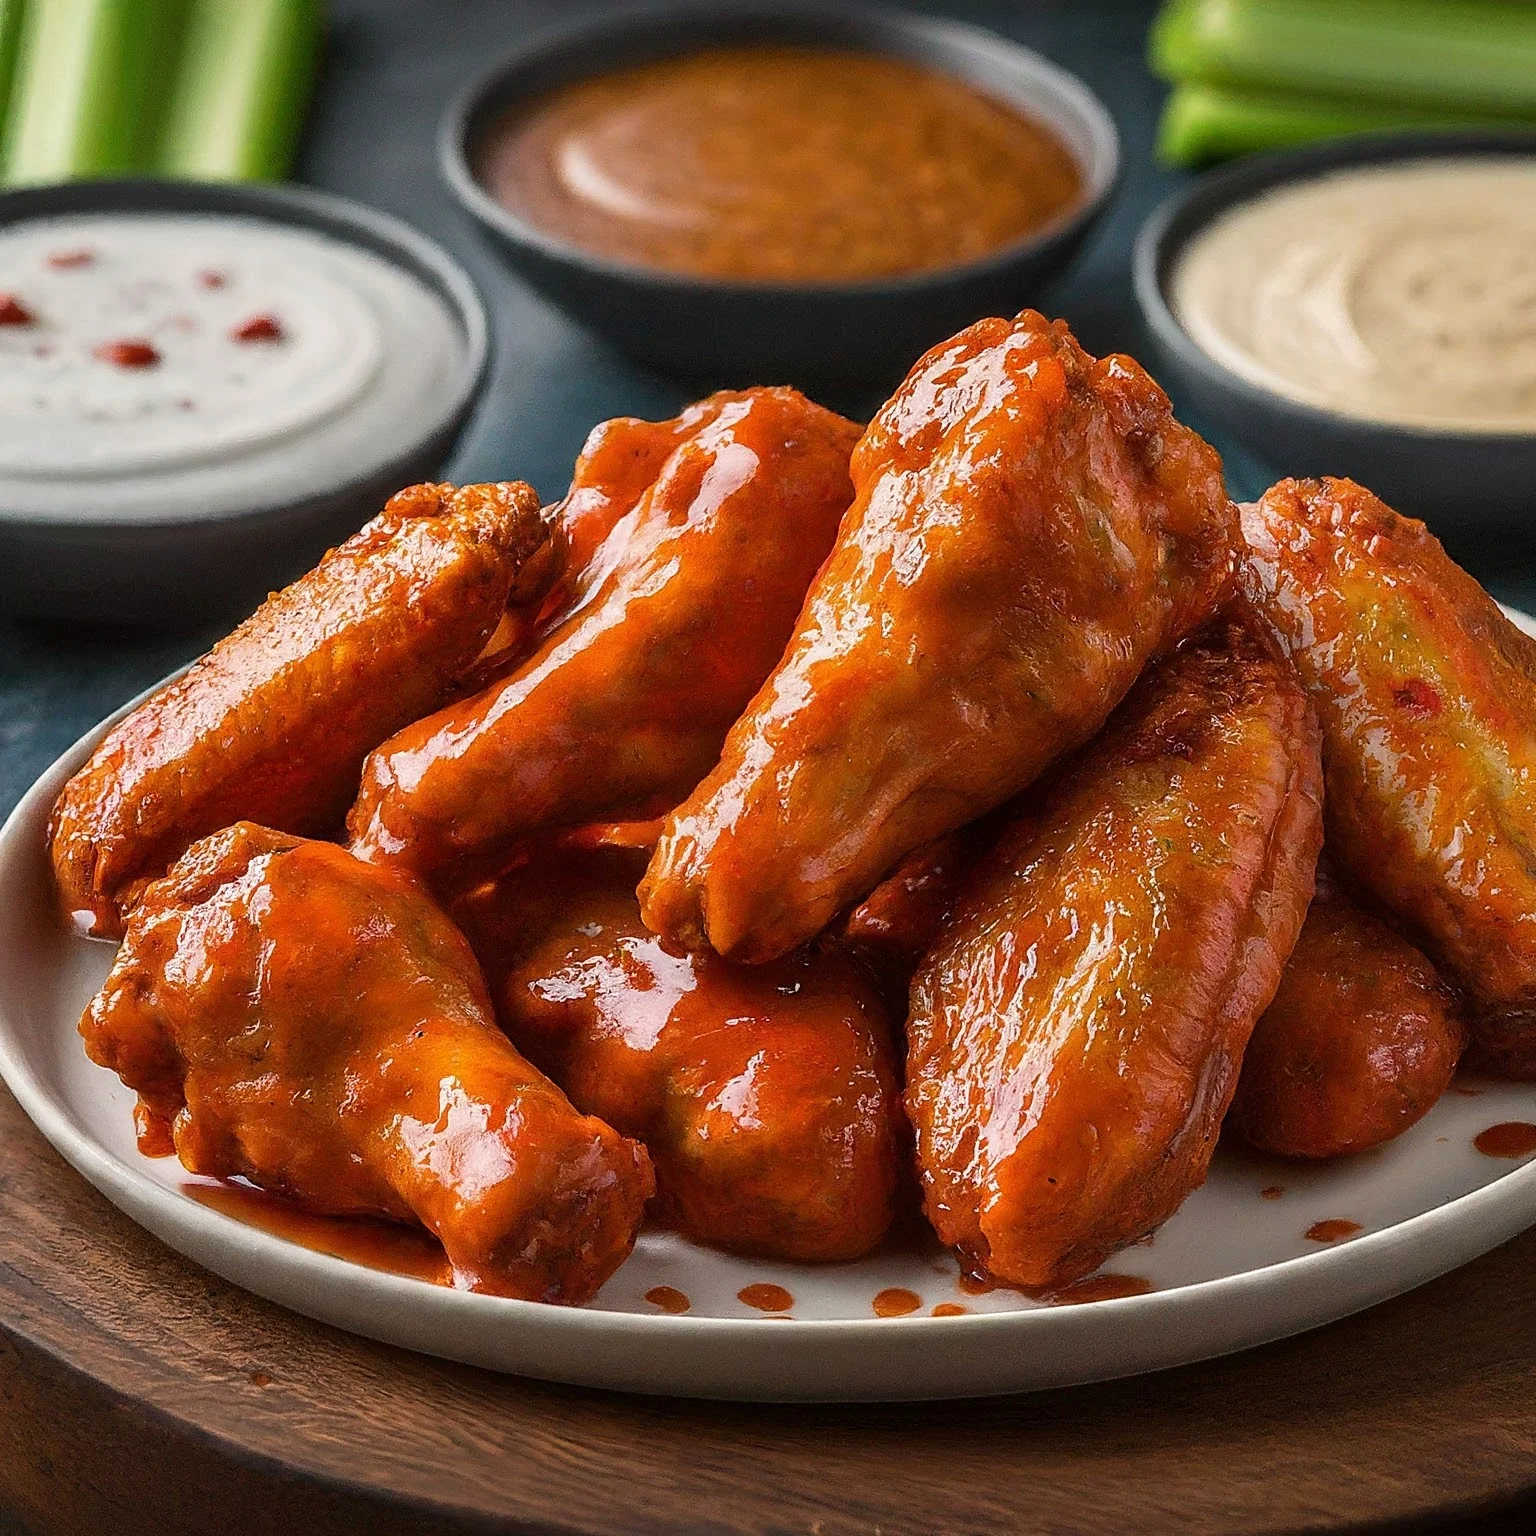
(1031, 527)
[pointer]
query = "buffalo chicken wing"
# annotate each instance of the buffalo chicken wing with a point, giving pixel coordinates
(767, 1096)
(1427, 698)
(679, 615)
(273, 724)
(1031, 525)
(1360, 1042)
(1077, 1031)
(316, 1026)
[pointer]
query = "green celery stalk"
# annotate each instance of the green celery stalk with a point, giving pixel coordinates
(1459, 55)
(1201, 123)
(90, 83)
(238, 102)
(10, 33)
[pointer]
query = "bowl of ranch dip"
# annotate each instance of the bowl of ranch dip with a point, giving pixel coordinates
(202, 387)
(1365, 308)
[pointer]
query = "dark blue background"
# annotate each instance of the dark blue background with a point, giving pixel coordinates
(391, 66)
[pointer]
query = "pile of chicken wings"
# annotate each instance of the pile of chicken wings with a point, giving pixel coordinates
(791, 806)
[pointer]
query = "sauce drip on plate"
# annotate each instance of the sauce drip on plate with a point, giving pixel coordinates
(765, 1297)
(1510, 1138)
(399, 1250)
(667, 1298)
(780, 164)
(1332, 1229)
(896, 1301)
(1109, 1287)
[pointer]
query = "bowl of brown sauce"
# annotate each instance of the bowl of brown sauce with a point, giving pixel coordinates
(794, 194)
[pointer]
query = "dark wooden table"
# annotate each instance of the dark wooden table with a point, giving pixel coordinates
(139, 1394)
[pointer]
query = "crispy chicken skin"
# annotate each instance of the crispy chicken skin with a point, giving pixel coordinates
(1030, 526)
(273, 724)
(1361, 1040)
(1076, 1033)
(1427, 698)
(681, 614)
(317, 1026)
(768, 1097)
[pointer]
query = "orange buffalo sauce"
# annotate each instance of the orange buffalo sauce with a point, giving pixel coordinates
(780, 164)
(395, 1248)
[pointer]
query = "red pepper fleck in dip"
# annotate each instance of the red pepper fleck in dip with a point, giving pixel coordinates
(259, 328)
(211, 279)
(133, 353)
(13, 311)
(66, 259)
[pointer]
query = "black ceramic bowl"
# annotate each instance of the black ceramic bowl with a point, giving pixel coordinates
(1462, 481)
(739, 333)
(181, 569)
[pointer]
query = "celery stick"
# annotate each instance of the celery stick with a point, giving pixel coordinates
(239, 98)
(1206, 122)
(10, 32)
(91, 81)
(1461, 55)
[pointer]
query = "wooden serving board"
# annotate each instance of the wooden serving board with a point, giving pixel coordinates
(139, 1394)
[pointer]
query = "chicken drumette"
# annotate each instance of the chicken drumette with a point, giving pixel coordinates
(677, 617)
(767, 1096)
(1031, 525)
(1360, 1042)
(317, 1026)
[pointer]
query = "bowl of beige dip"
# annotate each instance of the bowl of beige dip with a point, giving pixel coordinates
(203, 387)
(1366, 308)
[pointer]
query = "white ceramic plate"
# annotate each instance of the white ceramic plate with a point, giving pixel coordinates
(1233, 1268)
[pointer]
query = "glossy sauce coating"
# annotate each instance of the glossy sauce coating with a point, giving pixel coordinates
(768, 1097)
(680, 614)
(1030, 527)
(780, 164)
(891, 930)
(315, 1025)
(1360, 1042)
(272, 725)
(1427, 698)
(1076, 1034)
(617, 465)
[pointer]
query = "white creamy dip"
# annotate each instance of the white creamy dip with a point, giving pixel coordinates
(265, 363)
(1403, 294)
